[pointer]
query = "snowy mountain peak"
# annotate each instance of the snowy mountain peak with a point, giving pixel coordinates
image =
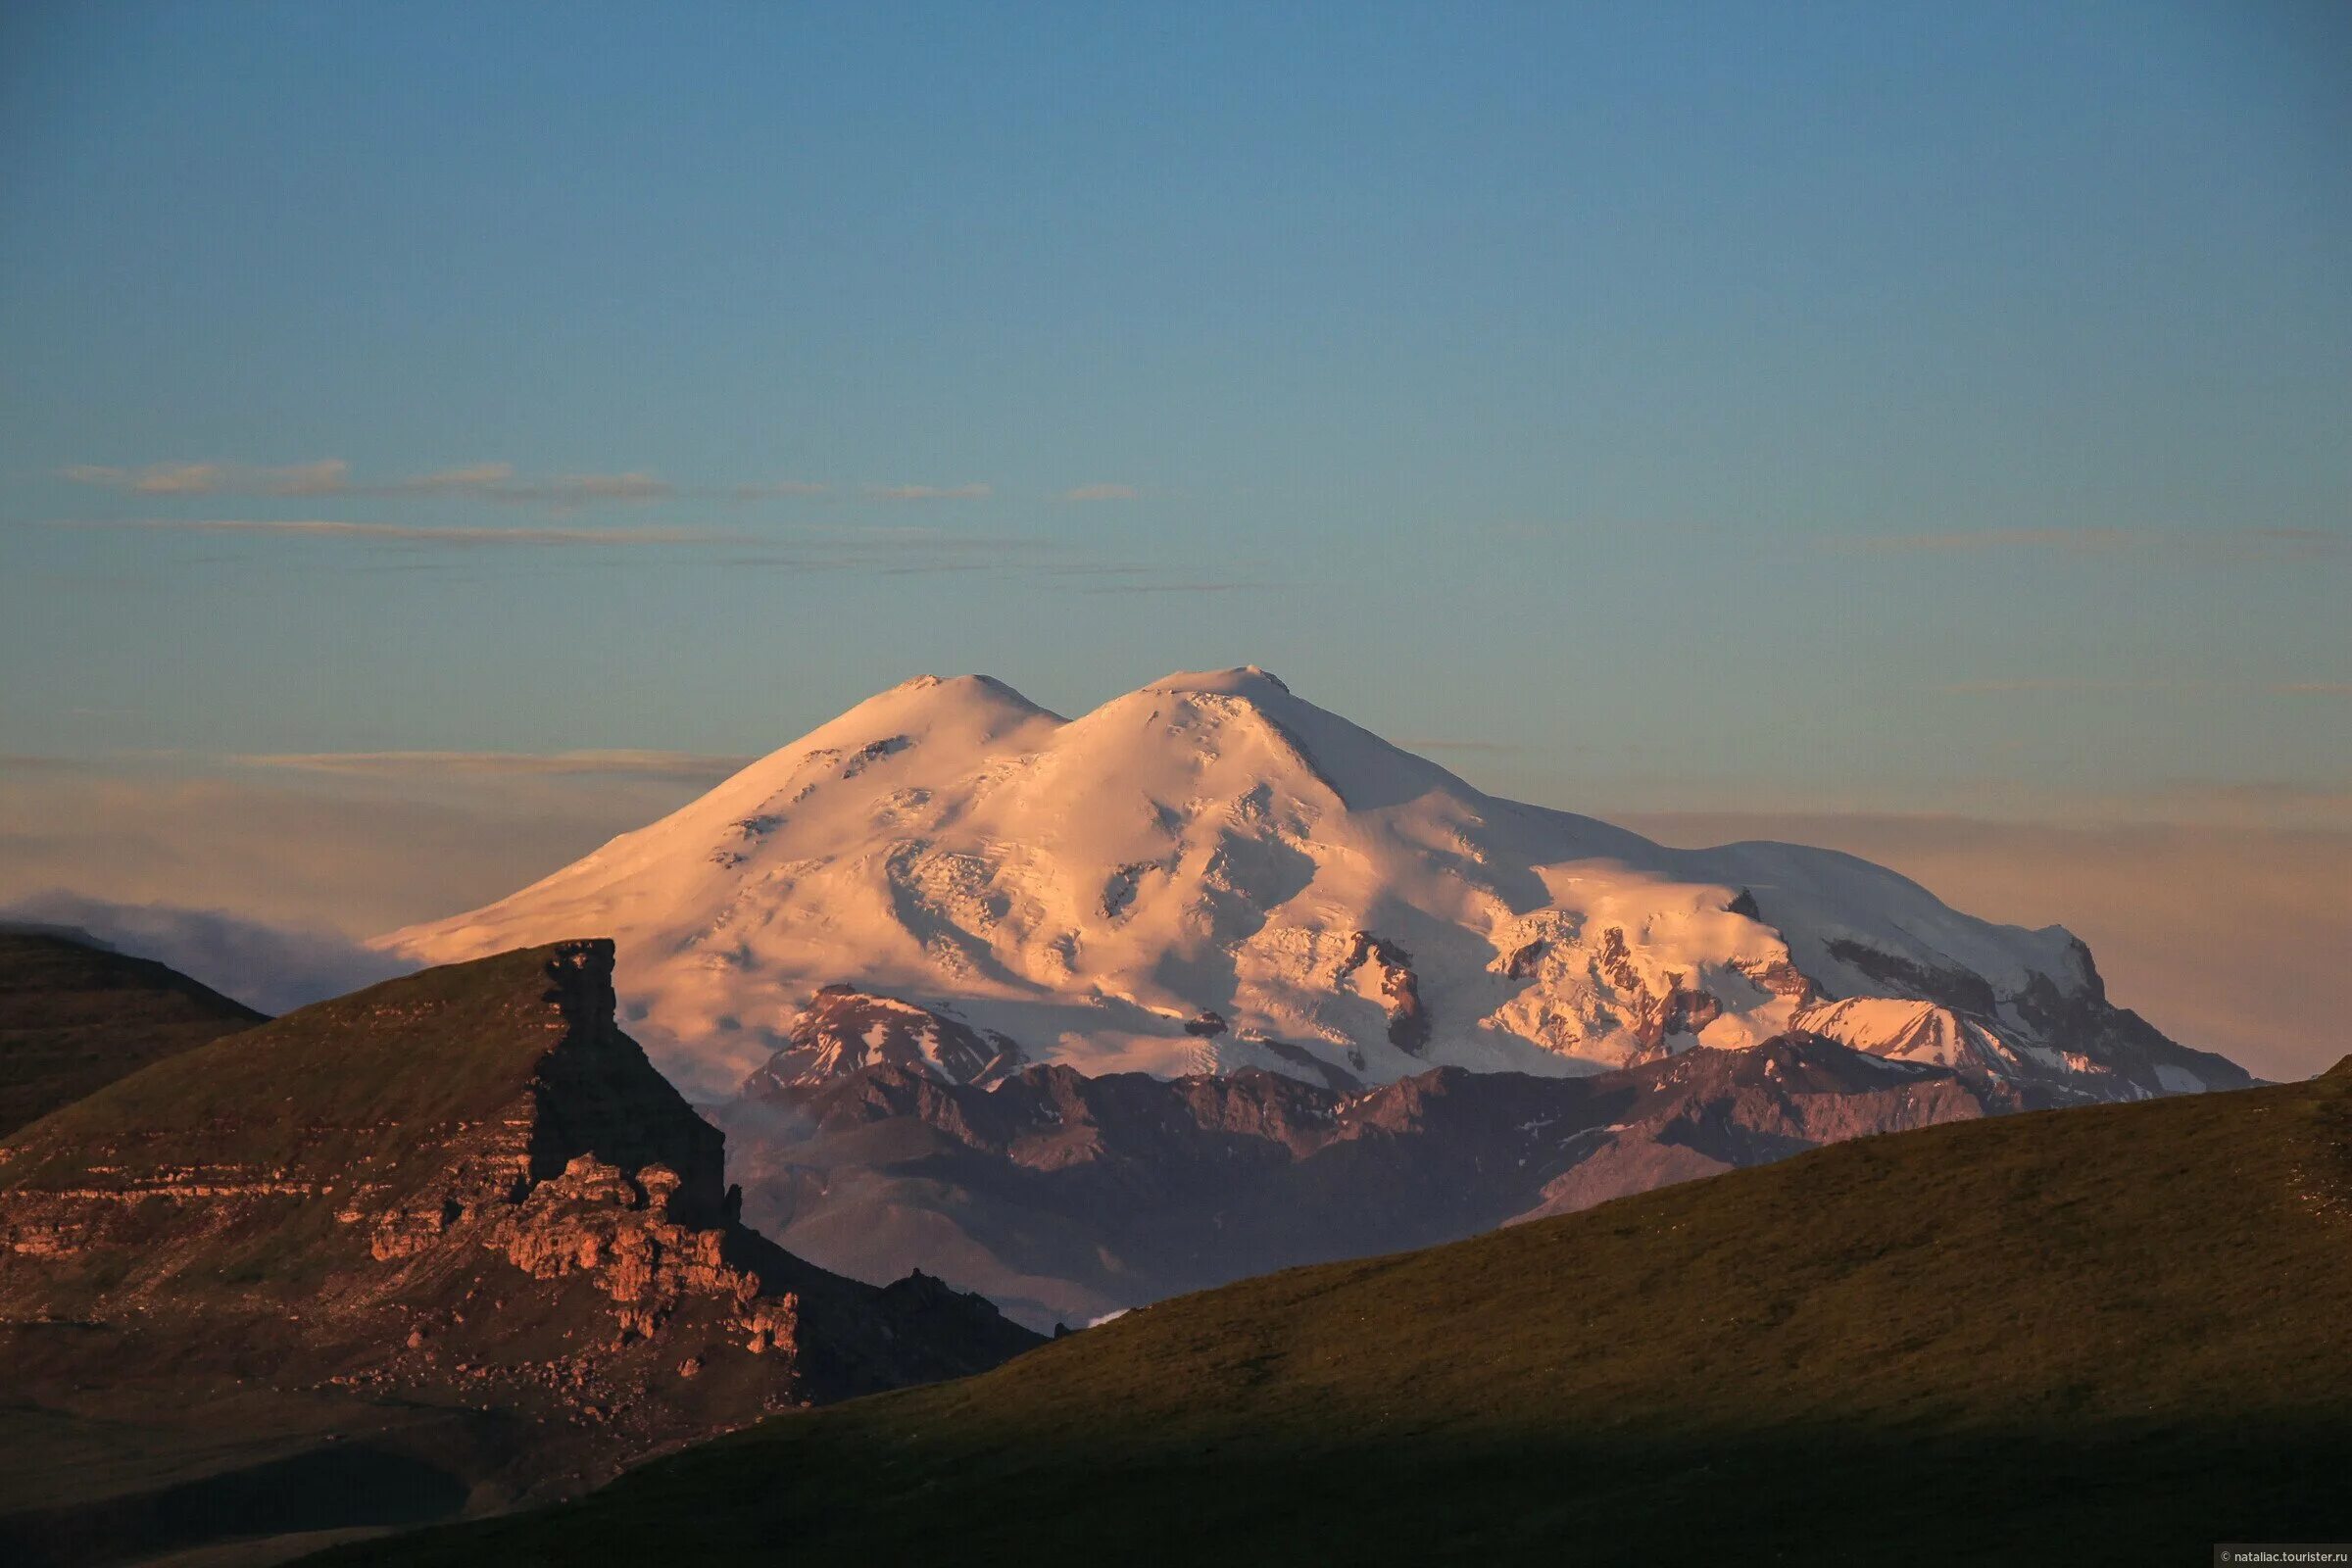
(1210, 874)
(1242, 680)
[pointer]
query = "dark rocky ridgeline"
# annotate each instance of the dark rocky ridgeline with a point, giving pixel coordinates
(447, 1243)
(1399, 988)
(1063, 1197)
(76, 1016)
(844, 1029)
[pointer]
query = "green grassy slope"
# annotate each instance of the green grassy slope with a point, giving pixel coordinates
(74, 1018)
(2108, 1335)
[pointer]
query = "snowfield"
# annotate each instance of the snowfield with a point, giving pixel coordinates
(1210, 874)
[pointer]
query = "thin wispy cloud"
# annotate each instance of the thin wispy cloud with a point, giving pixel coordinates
(930, 492)
(2073, 541)
(416, 535)
(2056, 683)
(624, 763)
(906, 550)
(1103, 491)
(1424, 743)
(1180, 587)
(2202, 543)
(326, 476)
(2080, 684)
(769, 492)
(480, 481)
(576, 489)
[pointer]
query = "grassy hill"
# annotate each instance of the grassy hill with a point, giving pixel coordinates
(2106, 1335)
(74, 1018)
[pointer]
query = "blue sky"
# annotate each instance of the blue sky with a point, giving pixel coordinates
(1902, 407)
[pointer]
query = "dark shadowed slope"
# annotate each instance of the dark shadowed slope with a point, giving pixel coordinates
(75, 1016)
(2106, 1335)
(446, 1242)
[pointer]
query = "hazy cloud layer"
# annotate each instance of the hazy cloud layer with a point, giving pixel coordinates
(273, 969)
(929, 492)
(422, 534)
(2265, 544)
(1426, 743)
(689, 767)
(2221, 930)
(327, 476)
(2068, 683)
(1101, 492)
(2220, 935)
(482, 481)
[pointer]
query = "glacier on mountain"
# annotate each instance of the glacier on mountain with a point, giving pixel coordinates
(1210, 874)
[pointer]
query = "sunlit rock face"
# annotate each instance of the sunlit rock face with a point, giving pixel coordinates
(464, 1195)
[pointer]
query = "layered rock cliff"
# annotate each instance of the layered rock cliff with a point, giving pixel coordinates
(465, 1191)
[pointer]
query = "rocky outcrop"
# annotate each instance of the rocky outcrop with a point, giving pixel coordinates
(1400, 986)
(625, 1233)
(844, 1029)
(465, 1191)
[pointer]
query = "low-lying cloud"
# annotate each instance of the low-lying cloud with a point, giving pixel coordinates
(688, 766)
(2216, 909)
(273, 969)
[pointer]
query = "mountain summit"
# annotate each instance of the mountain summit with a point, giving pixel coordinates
(1212, 873)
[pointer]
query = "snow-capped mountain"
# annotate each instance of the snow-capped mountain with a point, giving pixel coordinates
(1212, 873)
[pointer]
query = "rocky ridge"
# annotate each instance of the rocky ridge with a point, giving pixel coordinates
(1065, 1197)
(76, 1014)
(463, 1193)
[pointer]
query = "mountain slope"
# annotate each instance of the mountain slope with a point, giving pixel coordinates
(1063, 1198)
(450, 1239)
(2105, 1334)
(76, 1016)
(1210, 875)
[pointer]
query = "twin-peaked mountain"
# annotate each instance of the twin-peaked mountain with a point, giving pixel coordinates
(1083, 1013)
(1211, 874)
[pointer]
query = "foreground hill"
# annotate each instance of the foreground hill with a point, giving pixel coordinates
(1212, 873)
(2107, 1334)
(76, 1016)
(445, 1244)
(1063, 1198)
